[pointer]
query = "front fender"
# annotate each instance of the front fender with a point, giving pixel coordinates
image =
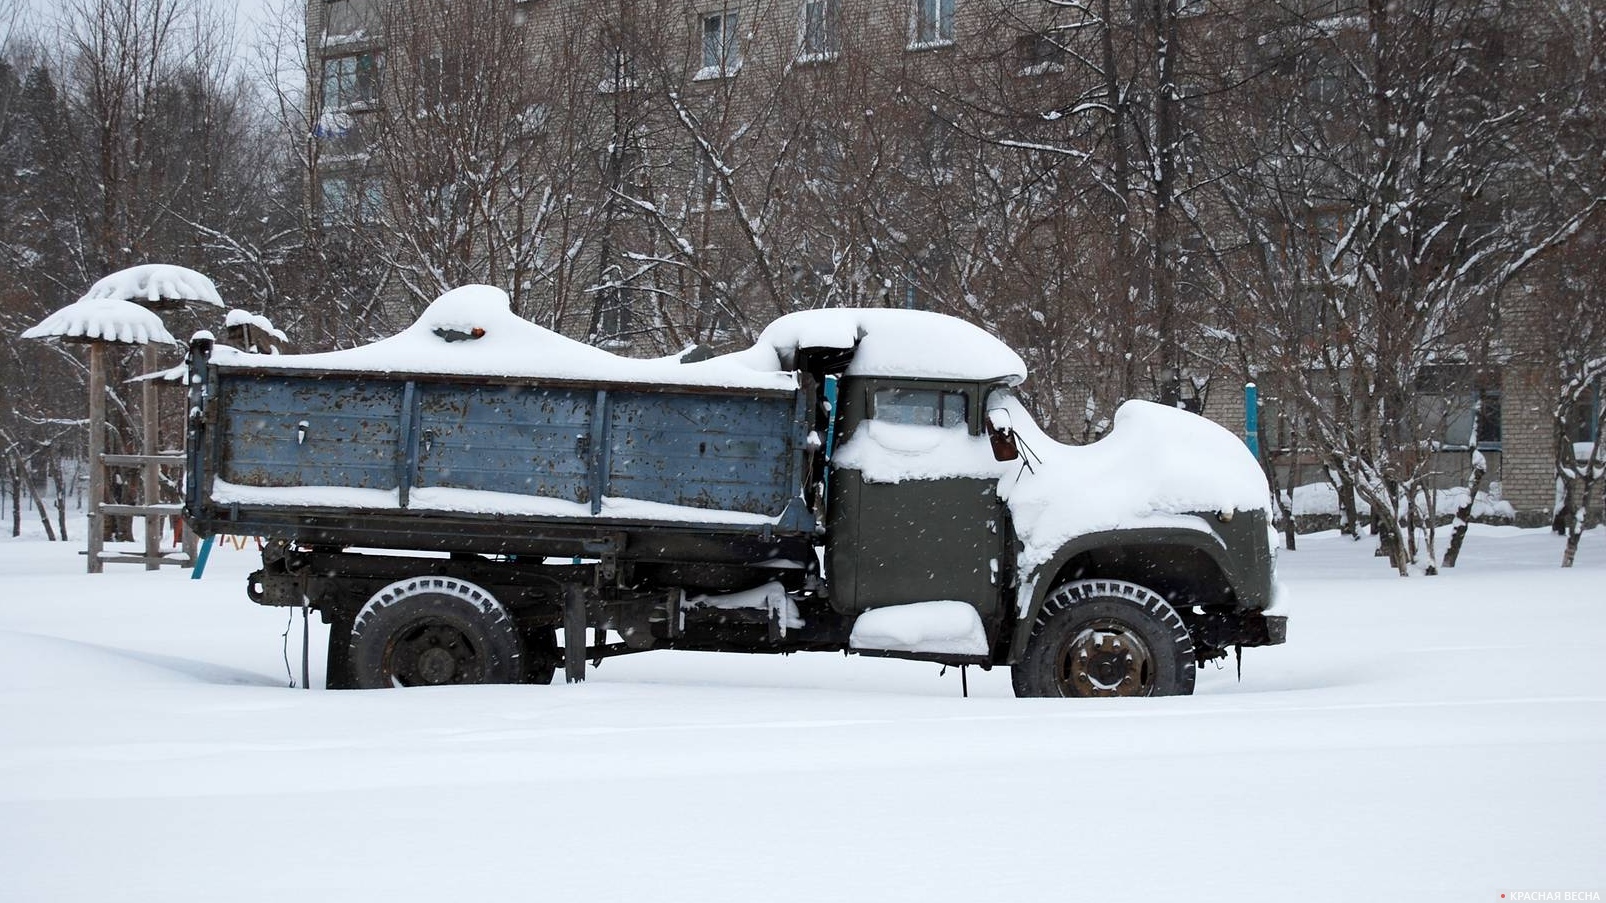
(1231, 546)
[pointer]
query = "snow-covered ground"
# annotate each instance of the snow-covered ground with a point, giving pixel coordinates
(1434, 738)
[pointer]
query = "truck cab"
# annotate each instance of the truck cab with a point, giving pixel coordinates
(904, 525)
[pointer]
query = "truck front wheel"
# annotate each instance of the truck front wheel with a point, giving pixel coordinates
(433, 631)
(1106, 638)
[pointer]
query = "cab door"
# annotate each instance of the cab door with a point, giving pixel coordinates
(914, 514)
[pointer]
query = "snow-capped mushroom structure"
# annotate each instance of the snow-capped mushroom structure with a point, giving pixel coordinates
(121, 309)
(253, 332)
(238, 317)
(158, 286)
(109, 320)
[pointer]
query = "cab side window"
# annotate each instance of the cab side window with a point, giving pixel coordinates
(920, 407)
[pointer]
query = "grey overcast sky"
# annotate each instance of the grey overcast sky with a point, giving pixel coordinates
(250, 15)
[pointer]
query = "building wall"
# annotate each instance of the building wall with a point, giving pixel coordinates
(1528, 469)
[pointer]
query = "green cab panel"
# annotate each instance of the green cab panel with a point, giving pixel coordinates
(913, 540)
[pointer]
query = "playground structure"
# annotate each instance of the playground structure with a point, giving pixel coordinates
(123, 310)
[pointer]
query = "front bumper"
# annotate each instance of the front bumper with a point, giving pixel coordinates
(1221, 630)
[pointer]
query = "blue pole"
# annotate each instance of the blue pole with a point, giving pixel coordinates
(1252, 419)
(830, 426)
(200, 558)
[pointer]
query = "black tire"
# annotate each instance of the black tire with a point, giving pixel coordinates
(1106, 638)
(541, 656)
(433, 631)
(337, 671)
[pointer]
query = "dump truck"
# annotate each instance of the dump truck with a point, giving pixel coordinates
(480, 500)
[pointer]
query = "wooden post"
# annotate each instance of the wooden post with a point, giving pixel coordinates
(97, 451)
(150, 413)
(191, 546)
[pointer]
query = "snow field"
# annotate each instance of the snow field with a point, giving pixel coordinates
(1425, 738)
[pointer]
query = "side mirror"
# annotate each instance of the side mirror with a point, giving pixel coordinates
(1001, 436)
(1004, 448)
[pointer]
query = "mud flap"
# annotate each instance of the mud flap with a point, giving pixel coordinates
(574, 633)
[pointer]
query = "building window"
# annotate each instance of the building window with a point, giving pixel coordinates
(1583, 421)
(345, 22)
(1488, 419)
(621, 72)
(722, 54)
(1466, 406)
(351, 82)
(1038, 54)
(616, 319)
(440, 82)
(938, 144)
(819, 30)
(933, 23)
(349, 199)
(912, 296)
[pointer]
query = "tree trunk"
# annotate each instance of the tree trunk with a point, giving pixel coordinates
(1428, 523)
(39, 505)
(1285, 505)
(1463, 515)
(1389, 524)
(16, 499)
(1349, 515)
(58, 474)
(1577, 492)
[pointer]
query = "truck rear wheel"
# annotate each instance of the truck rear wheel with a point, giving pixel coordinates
(541, 656)
(1106, 638)
(433, 631)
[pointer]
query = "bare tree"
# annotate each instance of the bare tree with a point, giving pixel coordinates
(479, 148)
(1387, 236)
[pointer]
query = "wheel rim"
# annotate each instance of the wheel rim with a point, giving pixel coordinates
(432, 653)
(1106, 658)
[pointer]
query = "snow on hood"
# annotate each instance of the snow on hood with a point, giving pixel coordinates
(156, 282)
(1156, 463)
(1157, 466)
(107, 319)
(472, 331)
(893, 342)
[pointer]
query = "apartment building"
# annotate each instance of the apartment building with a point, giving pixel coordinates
(653, 174)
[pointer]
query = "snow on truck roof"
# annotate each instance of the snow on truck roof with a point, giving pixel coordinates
(473, 331)
(891, 342)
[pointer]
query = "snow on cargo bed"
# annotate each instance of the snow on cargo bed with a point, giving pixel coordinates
(1156, 467)
(477, 501)
(472, 331)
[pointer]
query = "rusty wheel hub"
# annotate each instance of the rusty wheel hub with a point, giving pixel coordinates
(1107, 658)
